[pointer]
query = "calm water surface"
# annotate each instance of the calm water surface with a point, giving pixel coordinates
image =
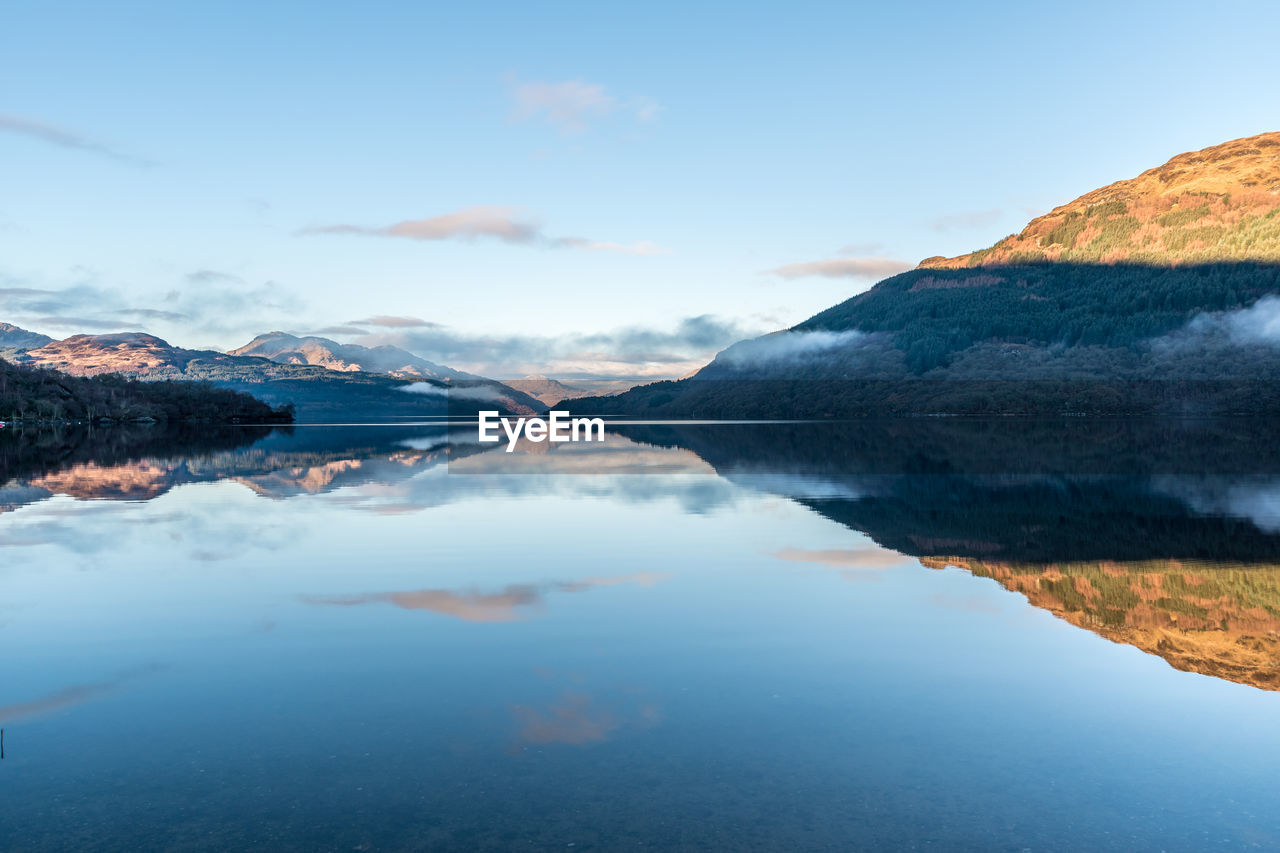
(724, 637)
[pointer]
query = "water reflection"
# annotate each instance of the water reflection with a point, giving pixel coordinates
(1214, 619)
(1164, 536)
(510, 604)
(813, 636)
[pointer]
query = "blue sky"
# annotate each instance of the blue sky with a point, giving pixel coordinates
(578, 189)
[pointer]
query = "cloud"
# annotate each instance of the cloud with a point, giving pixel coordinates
(7, 293)
(97, 324)
(965, 220)
(151, 314)
(870, 247)
(1257, 325)
(339, 330)
(572, 104)
(210, 277)
(62, 138)
(646, 108)
(468, 223)
(641, 248)
(873, 268)
(788, 346)
(849, 267)
(628, 352)
(206, 302)
(568, 104)
(482, 392)
(393, 322)
(492, 222)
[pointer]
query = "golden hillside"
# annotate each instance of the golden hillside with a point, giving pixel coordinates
(1219, 620)
(1212, 205)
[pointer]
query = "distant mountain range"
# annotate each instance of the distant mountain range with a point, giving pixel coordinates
(14, 339)
(553, 391)
(284, 348)
(342, 383)
(1159, 294)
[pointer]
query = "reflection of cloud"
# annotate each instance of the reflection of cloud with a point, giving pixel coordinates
(870, 557)
(854, 564)
(67, 697)
(964, 603)
(510, 604)
(1254, 498)
(574, 719)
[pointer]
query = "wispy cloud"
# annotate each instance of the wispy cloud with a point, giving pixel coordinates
(210, 277)
(866, 247)
(339, 330)
(568, 104)
(491, 222)
(151, 314)
(631, 352)
(873, 268)
(91, 324)
(469, 223)
(393, 321)
(63, 138)
(206, 302)
(571, 105)
(965, 220)
(641, 248)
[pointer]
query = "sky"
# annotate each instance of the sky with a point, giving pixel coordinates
(573, 189)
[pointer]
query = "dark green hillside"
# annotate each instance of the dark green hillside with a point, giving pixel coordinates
(38, 394)
(933, 314)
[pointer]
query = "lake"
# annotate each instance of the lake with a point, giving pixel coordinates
(927, 634)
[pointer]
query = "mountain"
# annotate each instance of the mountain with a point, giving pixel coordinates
(14, 338)
(289, 349)
(1218, 204)
(317, 393)
(552, 391)
(1155, 295)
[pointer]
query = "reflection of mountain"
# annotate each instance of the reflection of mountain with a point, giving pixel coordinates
(1016, 491)
(1214, 619)
(108, 465)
